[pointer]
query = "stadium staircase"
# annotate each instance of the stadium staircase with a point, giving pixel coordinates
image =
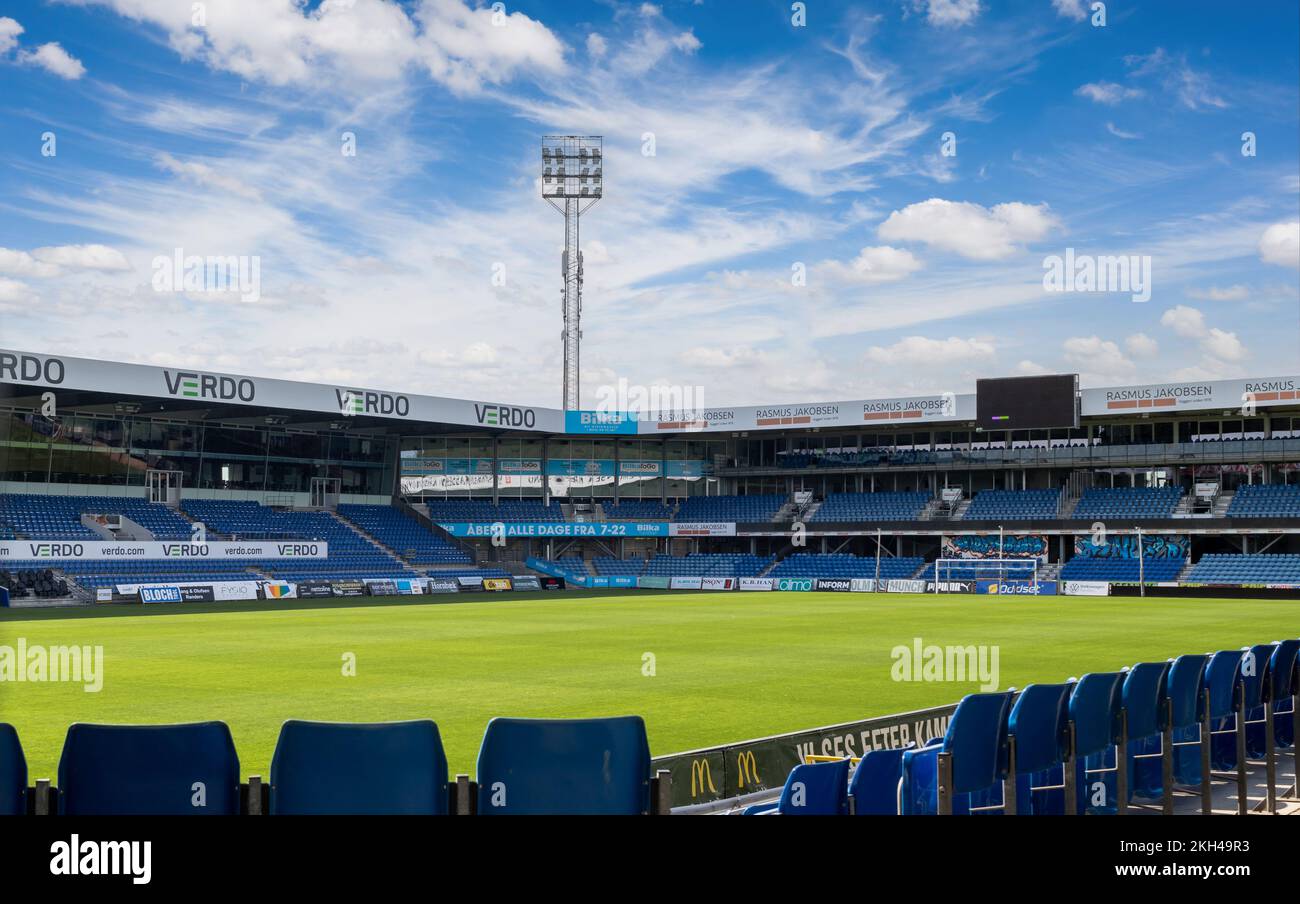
(959, 510)
(1187, 569)
(1222, 503)
(372, 539)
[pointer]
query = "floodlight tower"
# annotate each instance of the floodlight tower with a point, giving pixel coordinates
(572, 167)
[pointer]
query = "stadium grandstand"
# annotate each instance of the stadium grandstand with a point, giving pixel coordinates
(1206, 474)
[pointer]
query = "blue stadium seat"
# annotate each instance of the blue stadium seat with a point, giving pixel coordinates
(812, 789)
(975, 748)
(873, 790)
(1146, 716)
(149, 770)
(1097, 712)
(13, 773)
(356, 769)
(564, 766)
(1039, 726)
(1185, 690)
(1265, 501)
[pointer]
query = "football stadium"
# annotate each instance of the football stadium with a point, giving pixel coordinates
(912, 428)
(467, 560)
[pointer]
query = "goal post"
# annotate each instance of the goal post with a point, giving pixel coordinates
(1022, 570)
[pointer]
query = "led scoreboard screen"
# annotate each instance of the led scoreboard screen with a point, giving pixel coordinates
(1027, 403)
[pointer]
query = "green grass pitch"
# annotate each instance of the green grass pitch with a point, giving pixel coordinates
(727, 666)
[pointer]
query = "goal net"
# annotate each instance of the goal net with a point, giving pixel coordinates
(1003, 571)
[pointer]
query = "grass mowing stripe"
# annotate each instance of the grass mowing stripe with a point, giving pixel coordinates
(728, 666)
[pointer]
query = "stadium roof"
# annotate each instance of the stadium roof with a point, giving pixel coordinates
(184, 392)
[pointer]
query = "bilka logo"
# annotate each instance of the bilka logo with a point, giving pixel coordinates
(360, 401)
(505, 416)
(209, 386)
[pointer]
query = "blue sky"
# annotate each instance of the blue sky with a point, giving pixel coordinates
(778, 149)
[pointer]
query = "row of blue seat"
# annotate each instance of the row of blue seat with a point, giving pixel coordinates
(1054, 749)
(525, 766)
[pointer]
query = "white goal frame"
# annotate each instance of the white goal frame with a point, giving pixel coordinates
(1000, 570)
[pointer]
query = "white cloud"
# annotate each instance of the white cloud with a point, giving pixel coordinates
(973, 231)
(1184, 321)
(1029, 368)
(1220, 293)
(874, 264)
(596, 46)
(1071, 9)
(82, 257)
(1140, 345)
(53, 58)
(203, 174)
(1100, 361)
(9, 32)
(1120, 133)
(1280, 244)
(951, 13)
(1109, 93)
(12, 291)
(1189, 323)
(921, 351)
(1192, 89)
(50, 261)
(282, 42)
(718, 357)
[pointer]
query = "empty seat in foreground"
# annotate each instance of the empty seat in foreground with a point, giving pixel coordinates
(811, 789)
(13, 773)
(149, 770)
(564, 766)
(359, 769)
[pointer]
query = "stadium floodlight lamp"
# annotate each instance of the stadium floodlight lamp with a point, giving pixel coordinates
(573, 165)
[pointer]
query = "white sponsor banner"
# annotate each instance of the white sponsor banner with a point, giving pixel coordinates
(1087, 588)
(857, 413)
(757, 583)
(905, 586)
(686, 583)
(195, 387)
(104, 595)
(119, 550)
(1192, 395)
(222, 591)
(702, 529)
(863, 585)
(717, 583)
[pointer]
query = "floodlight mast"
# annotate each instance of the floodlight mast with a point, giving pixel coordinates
(572, 181)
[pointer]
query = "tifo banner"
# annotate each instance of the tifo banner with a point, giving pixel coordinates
(756, 583)
(800, 584)
(840, 585)
(1124, 546)
(1016, 588)
(118, 550)
(863, 585)
(686, 583)
(898, 585)
(1086, 588)
(1027, 546)
(718, 773)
